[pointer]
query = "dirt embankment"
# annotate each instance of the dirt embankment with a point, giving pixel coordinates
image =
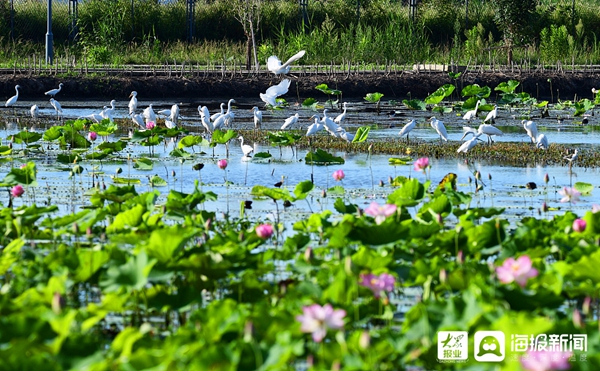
(392, 85)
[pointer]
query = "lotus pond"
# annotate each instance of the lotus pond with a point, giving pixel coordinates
(147, 251)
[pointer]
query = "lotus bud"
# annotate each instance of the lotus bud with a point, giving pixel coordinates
(365, 340)
(88, 232)
(75, 228)
(546, 178)
(381, 183)
(173, 174)
(460, 258)
(248, 331)
(577, 322)
(443, 275)
(58, 303)
(585, 308)
(308, 254)
(489, 176)
(323, 193)
(544, 207)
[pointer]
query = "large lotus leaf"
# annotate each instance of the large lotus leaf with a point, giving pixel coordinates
(133, 275)
(507, 86)
(89, 263)
(387, 232)
(476, 91)
(303, 189)
(415, 104)
(361, 134)
(220, 137)
(409, 194)
(189, 141)
(25, 175)
(321, 157)
(373, 97)
(441, 93)
(273, 193)
(165, 242)
(25, 137)
(104, 128)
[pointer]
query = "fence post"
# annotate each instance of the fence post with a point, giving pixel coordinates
(304, 11)
(73, 17)
(49, 36)
(190, 19)
(12, 20)
(413, 9)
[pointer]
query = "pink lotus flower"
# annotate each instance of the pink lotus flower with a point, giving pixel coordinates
(569, 195)
(264, 231)
(378, 284)
(339, 175)
(316, 320)
(222, 164)
(17, 191)
(546, 360)
(150, 125)
(422, 164)
(519, 270)
(595, 208)
(380, 212)
(579, 225)
(92, 136)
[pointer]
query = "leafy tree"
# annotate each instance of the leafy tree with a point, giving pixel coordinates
(514, 17)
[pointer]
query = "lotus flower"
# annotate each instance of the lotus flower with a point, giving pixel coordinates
(569, 195)
(316, 320)
(378, 284)
(264, 231)
(380, 212)
(150, 125)
(222, 164)
(422, 164)
(519, 270)
(339, 175)
(17, 191)
(546, 360)
(579, 225)
(92, 136)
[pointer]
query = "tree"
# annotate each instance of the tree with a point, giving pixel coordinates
(514, 18)
(247, 12)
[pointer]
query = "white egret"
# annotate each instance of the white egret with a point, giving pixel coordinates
(440, 128)
(531, 129)
(257, 114)
(270, 96)
(57, 107)
(274, 64)
(170, 124)
(220, 121)
(149, 114)
(472, 113)
(52, 93)
(214, 116)
(406, 129)
(466, 146)
(330, 126)
(246, 149)
(314, 128)
(468, 130)
(109, 113)
(138, 119)
(490, 131)
(133, 102)
(542, 141)
(35, 111)
(12, 100)
(290, 121)
(491, 116)
(348, 137)
(573, 157)
(342, 116)
(164, 112)
(229, 113)
(174, 113)
(205, 118)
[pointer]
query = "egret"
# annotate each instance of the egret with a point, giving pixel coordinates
(220, 121)
(489, 130)
(440, 128)
(133, 102)
(329, 125)
(573, 157)
(246, 149)
(170, 124)
(274, 64)
(270, 96)
(406, 129)
(491, 116)
(348, 137)
(138, 119)
(12, 100)
(542, 141)
(35, 111)
(149, 114)
(531, 129)
(342, 116)
(214, 116)
(314, 128)
(52, 93)
(466, 146)
(57, 107)
(290, 121)
(257, 114)
(230, 114)
(109, 112)
(174, 113)
(164, 112)
(468, 130)
(205, 118)
(472, 113)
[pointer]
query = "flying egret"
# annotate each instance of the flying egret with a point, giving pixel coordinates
(491, 116)
(542, 141)
(257, 114)
(149, 114)
(214, 116)
(52, 93)
(12, 100)
(531, 129)
(466, 146)
(274, 64)
(440, 128)
(57, 107)
(109, 113)
(246, 149)
(406, 129)
(138, 119)
(290, 121)
(342, 116)
(133, 102)
(472, 113)
(35, 111)
(270, 96)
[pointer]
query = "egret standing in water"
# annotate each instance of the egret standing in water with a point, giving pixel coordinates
(341, 118)
(406, 129)
(440, 128)
(466, 146)
(290, 121)
(149, 114)
(531, 129)
(133, 102)
(472, 113)
(274, 64)
(57, 107)
(257, 114)
(542, 141)
(12, 100)
(35, 111)
(52, 93)
(491, 116)
(246, 149)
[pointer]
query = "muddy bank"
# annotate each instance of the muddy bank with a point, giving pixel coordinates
(393, 85)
